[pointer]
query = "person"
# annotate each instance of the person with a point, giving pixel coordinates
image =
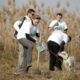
(26, 38)
(58, 23)
(56, 40)
(17, 26)
(18, 23)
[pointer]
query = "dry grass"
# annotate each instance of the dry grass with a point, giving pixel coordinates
(9, 45)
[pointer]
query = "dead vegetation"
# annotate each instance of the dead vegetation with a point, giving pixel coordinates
(9, 45)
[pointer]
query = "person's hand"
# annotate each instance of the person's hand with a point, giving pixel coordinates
(56, 24)
(69, 38)
(36, 42)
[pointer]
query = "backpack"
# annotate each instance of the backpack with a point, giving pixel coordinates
(20, 25)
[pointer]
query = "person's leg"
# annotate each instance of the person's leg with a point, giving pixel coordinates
(21, 58)
(58, 59)
(52, 61)
(59, 62)
(27, 55)
(53, 50)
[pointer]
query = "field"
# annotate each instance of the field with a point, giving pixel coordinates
(9, 45)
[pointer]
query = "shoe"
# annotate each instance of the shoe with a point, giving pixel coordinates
(37, 71)
(51, 69)
(28, 67)
(58, 68)
(58, 65)
(34, 71)
(19, 72)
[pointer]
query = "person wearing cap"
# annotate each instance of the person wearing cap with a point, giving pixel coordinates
(26, 39)
(54, 42)
(58, 23)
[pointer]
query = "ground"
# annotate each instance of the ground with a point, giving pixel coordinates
(7, 69)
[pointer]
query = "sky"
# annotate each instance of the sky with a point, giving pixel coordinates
(73, 3)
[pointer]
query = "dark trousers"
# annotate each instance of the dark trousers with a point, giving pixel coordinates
(54, 59)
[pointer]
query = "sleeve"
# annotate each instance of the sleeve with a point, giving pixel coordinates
(65, 26)
(30, 38)
(38, 32)
(53, 23)
(62, 46)
(65, 38)
(64, 41)
(16, 25)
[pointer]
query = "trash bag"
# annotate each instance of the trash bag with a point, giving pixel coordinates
(40, 46)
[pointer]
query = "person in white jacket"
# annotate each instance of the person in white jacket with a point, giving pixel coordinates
(17, 26)
(58, 23)
(26, 38)
(55, 40)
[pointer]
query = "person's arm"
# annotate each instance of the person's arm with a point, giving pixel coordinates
(50, 29)
(30, 38)
(37, 34)
(16, 25)
(52, 25)
(62, 46)
(27, 30)
(65, 26)
(65, 39)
